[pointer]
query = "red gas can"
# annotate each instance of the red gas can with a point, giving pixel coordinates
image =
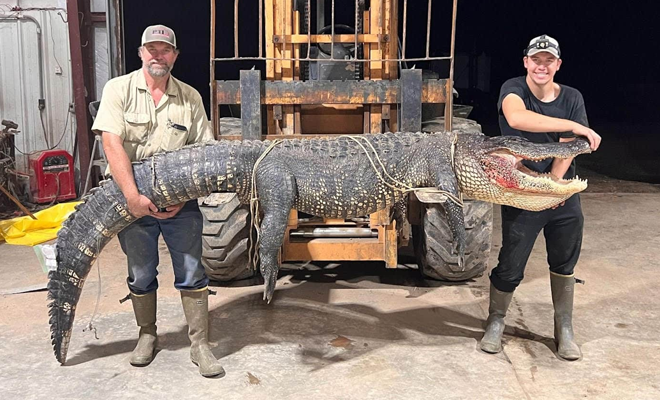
(51, 176)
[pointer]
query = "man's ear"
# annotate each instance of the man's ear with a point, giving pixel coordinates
(558, 63)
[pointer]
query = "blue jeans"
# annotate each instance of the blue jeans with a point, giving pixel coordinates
(183, 237)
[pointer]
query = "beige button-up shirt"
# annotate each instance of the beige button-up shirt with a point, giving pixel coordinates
(127, 110)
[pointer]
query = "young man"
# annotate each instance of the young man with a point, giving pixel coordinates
(539, 109)
(143, 113)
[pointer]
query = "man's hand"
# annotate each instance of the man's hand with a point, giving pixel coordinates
(140, 206)
(171, 211)
(590, 134)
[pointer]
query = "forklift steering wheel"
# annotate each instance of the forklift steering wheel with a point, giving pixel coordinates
(325, 48)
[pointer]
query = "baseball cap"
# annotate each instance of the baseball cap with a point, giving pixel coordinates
(543, 43)
(158, 33)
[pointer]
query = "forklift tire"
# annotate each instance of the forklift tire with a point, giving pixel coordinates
(230, 126)
(225, 237)
(462, 124)
(432, 241)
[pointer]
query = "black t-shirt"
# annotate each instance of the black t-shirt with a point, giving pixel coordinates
(568, 105)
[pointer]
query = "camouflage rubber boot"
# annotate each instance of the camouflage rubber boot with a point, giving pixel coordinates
(196, 308)
(563, 290)
(499, 304)
(144, 307)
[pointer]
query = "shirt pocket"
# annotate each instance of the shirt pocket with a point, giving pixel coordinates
(137, 127)
(178, 129)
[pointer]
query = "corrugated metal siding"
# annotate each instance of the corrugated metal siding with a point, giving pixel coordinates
(98, 5)
(19, 79)
(101, 54)
(101, 67)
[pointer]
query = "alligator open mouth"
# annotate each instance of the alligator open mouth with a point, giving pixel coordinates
(509, 172)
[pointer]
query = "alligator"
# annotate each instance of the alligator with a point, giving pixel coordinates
(344, 177)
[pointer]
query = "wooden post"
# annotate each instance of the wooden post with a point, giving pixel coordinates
(375, 66)
(78, 76)
(215, 113)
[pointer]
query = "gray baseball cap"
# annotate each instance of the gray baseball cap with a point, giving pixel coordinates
(158, 33)
(543, 43)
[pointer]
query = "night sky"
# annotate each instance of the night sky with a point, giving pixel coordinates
(609, 53)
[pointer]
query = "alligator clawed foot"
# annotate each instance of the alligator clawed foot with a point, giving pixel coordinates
(270, 279)
(459, 250)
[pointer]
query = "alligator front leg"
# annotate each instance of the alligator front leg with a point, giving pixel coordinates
(456, 221)
(277, 190)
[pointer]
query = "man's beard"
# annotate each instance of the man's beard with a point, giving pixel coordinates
(159, 71)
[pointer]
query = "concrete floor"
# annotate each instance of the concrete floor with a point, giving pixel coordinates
(359, 331)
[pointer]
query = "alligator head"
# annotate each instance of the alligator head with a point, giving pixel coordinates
(490, 169)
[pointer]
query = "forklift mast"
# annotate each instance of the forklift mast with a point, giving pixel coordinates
(325, 76)
(354, 66)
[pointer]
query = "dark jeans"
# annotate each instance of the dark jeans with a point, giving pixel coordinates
(562, 228)
(183, 237)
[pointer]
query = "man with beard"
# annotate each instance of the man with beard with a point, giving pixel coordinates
(142, 113)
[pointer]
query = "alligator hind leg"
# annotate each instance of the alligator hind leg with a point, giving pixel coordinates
(277, 191)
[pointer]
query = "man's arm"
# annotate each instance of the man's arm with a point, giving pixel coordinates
(523, 119)
(122, 173)
(559, 165)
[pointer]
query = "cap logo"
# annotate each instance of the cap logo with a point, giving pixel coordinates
(159, 32)
(543, 43)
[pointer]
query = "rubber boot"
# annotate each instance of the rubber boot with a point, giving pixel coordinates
(144, 307)
(563, 290)
(196, 308)
(499, 304)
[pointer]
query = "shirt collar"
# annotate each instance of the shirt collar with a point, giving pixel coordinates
(172, 86)
(141, 81)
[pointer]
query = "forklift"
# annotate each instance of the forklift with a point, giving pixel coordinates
(338, 69)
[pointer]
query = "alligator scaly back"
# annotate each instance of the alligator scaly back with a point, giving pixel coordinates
(166, 179)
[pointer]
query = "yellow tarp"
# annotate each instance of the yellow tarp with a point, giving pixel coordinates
(28, 232)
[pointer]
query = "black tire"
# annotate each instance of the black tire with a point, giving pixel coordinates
(432, 241)
(230, 126)
(462, 124)
(225, 237)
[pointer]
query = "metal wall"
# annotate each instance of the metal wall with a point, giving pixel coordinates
(35, 64)
(100, 45)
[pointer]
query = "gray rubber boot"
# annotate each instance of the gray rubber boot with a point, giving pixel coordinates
(196, 307)
(144, 307)
(499, 304)
(563, 290)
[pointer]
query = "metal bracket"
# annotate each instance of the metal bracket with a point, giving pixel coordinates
(411, 100)
(251, 104)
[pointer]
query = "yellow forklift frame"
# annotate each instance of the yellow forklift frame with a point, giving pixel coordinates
(376, 101)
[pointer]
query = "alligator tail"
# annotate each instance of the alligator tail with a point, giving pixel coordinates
(167, 179)
(102, 215)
